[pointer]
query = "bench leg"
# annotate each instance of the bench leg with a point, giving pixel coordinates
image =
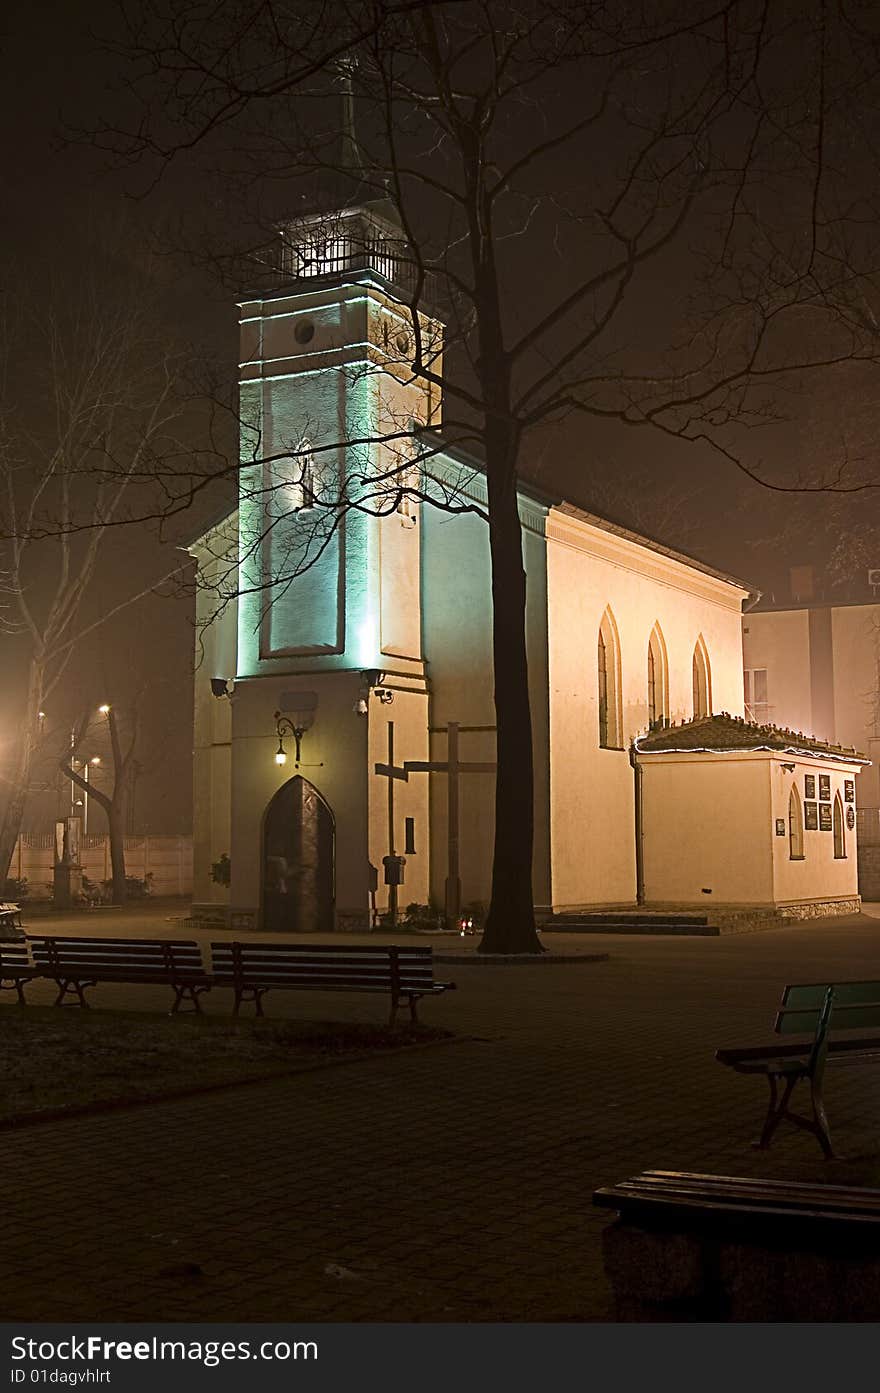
(64, 985)
(820, 1118)
(254, 994)
(395, 1002)
(413, 1013)
(187, 993)
(775, 1110)
(16, 984)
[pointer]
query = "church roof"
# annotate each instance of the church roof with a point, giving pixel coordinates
(726, 734)
(607, 525)
(572, 510)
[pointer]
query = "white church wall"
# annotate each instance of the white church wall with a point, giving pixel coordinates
(457, 636)
(397, 403)
(334, 759)
(820, 875)
(707, 827)
(591, 788)
(409, 714)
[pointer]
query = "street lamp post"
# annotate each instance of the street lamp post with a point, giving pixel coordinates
(90, 763)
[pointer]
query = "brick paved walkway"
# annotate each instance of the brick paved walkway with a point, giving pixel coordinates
(444, 1184)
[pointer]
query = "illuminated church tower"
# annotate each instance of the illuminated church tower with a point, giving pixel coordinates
(329, 631)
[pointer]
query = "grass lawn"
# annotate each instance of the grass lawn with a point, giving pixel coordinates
(52, 1059)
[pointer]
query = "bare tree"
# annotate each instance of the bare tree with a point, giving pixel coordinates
(89, 396)
(631, 214)
(122, 737)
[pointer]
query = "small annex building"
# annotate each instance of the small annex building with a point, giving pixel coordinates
(767, 817)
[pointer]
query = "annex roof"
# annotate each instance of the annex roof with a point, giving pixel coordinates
(726, 734)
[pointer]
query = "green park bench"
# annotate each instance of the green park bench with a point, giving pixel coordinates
(831, 1012)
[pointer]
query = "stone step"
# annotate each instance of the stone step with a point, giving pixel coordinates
(691, 927)
(632, 916)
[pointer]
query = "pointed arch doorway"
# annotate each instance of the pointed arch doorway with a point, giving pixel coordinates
(298, 869)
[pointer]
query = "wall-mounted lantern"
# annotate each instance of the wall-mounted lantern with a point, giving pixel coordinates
(302, 707)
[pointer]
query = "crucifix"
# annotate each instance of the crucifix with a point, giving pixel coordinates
(452, 766)
(391, 771)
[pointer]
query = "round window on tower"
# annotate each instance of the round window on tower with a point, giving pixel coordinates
(304, 331)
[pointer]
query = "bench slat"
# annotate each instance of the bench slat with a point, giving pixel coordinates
(748, 1195)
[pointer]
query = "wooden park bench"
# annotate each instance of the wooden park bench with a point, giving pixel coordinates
(77, 963)
(16, 967)
(824, 1010)
(10, 915)
(252, 969)
(720, 1247)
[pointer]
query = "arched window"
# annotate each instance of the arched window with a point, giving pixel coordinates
(795, 827)
(839, 833)
(608, 670)
(658, 685)
(702, 681)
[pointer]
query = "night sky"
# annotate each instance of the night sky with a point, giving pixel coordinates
(59, 200)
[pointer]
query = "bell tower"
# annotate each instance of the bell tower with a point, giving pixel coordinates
(337, 375)
(331, 394)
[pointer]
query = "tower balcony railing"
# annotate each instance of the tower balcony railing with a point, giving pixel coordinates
(332, 248)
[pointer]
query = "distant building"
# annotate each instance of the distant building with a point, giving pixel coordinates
(814, 665)
(378, 651)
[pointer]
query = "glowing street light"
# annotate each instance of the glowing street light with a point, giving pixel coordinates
(83, 802)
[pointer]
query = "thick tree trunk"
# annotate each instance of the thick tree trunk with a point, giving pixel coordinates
(510, 926)
(116, 829)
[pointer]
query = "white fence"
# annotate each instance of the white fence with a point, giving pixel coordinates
(168, 860)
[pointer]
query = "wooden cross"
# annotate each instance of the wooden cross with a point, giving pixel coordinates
(390, 771)
(452, 766)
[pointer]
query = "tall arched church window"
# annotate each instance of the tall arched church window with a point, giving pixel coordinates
(702, 678)
(608, 669)
(795, 826)
(658, 683)
(838, 827)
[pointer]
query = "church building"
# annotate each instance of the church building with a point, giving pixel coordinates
(344, 723)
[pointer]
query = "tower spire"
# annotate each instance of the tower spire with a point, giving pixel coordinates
(352, 156)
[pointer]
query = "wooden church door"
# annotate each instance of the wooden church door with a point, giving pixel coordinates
(298, 861)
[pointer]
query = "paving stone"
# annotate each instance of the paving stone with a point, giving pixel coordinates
(455, 1183)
